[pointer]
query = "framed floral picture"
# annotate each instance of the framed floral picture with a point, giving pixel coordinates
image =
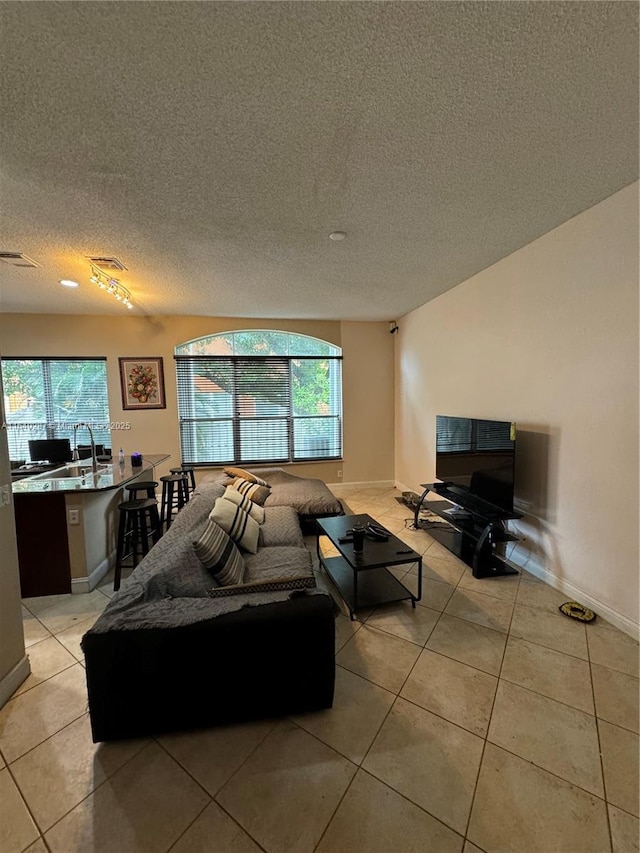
(142, 383)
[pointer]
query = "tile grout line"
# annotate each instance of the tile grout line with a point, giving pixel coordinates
(493, 704)
(27, 807)
(500, 677)
(237, 770)
(600, 756)
(91, 793)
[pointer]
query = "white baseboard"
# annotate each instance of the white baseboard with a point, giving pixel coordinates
(367, 484)
(90, 582)
(402, 488)
(13, 679)
(523, 560)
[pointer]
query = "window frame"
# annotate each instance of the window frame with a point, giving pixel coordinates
(52, 427)
(186, 369)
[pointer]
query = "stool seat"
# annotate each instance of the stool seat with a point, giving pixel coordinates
(136, 504)
(175, 494)
(148, 486)
(188, 470)
(139, 520)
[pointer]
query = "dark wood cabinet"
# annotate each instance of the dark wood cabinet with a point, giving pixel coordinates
(43, 546)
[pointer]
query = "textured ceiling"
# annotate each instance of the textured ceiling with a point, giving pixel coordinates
(213, 146)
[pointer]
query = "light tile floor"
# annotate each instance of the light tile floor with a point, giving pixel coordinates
(483, 720)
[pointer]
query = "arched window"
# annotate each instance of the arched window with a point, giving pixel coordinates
(256, 396)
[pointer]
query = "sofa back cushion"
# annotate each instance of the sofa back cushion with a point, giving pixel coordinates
(281, 527)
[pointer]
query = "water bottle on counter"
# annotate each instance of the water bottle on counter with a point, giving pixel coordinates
(121, 456)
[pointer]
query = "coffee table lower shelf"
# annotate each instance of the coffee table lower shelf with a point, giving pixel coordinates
(375, 586)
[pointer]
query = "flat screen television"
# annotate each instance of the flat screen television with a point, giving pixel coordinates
(476, 459)
(50, 450)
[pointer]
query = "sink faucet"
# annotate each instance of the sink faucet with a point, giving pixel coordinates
(76, 455)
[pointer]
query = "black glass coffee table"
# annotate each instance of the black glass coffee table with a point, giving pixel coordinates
(363, 580)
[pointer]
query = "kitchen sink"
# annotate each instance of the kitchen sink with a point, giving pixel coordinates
(70, 471)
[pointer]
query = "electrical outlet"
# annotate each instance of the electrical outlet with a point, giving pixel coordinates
(340, 474)
(74, 516)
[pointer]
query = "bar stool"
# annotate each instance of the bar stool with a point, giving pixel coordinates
(188, 470)
(175, 494)
(138, 521)
(146, 486)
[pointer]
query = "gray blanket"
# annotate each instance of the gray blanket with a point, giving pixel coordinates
(168, 588)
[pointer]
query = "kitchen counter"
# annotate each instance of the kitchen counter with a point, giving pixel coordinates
(68, 478)
(66, 523)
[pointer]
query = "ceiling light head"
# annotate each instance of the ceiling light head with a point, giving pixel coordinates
(67, 282)
(111, 285)
(337, 235)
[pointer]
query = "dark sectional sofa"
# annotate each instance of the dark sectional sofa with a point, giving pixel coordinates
(164, 656)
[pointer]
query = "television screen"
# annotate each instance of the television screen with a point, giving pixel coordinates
(477, 458)
(50, 450)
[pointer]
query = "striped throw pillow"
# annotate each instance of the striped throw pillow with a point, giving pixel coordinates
(216, 551)
(246, 475)
(253, 491)
(243, 529)
(254, 509)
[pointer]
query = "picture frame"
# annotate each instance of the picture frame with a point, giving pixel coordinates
(142, 382)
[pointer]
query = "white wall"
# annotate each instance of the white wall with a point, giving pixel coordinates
(547, 337)
(367, 383)
(367, 379)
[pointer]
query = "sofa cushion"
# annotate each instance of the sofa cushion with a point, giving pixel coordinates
(253, 491)
(254, 509)
(237, 523)
(281, 527)
(217, 552)
(245, 475)
(310, 497)
(281, 561)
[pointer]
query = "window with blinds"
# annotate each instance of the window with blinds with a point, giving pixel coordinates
(275, 407)
(464, 435)
(45, 397)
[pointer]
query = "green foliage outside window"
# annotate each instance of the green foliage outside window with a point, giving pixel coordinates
(44, 398)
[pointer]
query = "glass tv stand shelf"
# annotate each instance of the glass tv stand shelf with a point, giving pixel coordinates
(476, 536)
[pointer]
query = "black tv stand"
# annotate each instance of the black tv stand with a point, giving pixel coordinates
(475, 535)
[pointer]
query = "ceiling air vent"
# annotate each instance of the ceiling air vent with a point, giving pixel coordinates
(18, 259)
(107, 263)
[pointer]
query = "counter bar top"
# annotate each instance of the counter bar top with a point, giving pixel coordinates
(63, 479)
